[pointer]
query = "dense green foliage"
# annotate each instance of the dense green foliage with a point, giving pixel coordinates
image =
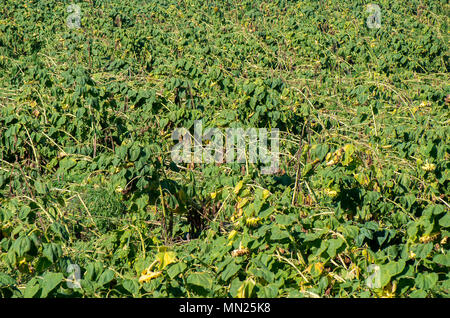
(86, 176)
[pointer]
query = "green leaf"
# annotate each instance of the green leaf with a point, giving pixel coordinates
(412, 230)
(22, 245)
(320, 151)
(121, 152)
(203, 280)
(264, 273)
(59, 230)
(278, 234)
(389, 270)
(93, 271)
(362, 98)
(230, 270)
(32, 288)
(131, 285)
(426, 281)
(49, 282)
(176, 269)
(445, 220)
(409, 199)
(41, 188)
(442, 259)
(422, 250)
(418, 294)
(24, 212)
(134, 153)
(52, 251)
(282, 219)
(446, 284)
(269, 291)
(266, 212)
(67, 163)
(334, 244)
(106, 277)
(6, 280)
(234, 286)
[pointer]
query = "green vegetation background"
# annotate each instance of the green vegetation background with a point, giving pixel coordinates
(358, 208)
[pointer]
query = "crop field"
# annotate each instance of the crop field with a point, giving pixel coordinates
(108, 183)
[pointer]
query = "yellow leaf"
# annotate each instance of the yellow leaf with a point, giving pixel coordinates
(242, 202)
(148, 276)
(246, 289)
(308, 269)
(238, 186)
(119, 189)
(165, 258)
(252, 222)
(318, 267)
(353, 272)
(149, 268)
(331, 193)
(245, 193)
(349, 148)
(238, 214)
(362, 178)
(429, 166)
(232, 234)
